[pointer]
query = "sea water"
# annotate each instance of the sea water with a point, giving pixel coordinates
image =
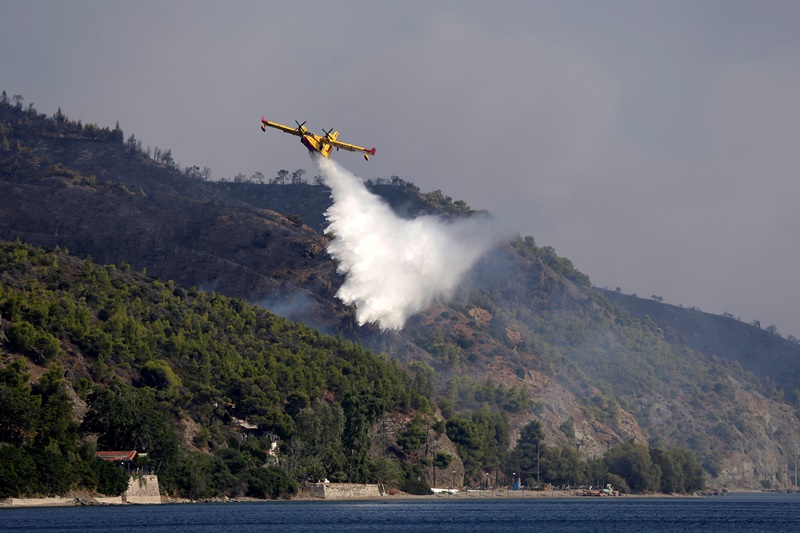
(738, 512)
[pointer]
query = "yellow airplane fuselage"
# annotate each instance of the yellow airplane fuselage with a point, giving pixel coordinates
(316, 143)
(321, 144)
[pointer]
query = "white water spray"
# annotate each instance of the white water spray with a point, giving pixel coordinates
(395, 267)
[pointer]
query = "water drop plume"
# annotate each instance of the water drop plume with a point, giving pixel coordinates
(395, 267)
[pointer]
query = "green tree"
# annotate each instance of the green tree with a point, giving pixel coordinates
(116, 136)
(296, 402)
(56, 422)
(55, 472)
(562, 466)
(269, 482)
(468, 438)
(424, 375)
(315, 451)
(568, 429)
(18, 409)
(112, 480)
(26, 339)
(233, 459)
(281, 178)
(297, 176)
(361, 410)
(411, 438)
(158, 374)
(17, 471)
(414, 480)
(387, 472)
(22, 336)
(632, 463)
(693, 471)
(526, 457)
(680, 470)
(47, 346)
(595, 472)
(497, 438)
(201, 475)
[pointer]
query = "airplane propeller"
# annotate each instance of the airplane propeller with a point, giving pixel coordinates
(300, 126)
(327, 132)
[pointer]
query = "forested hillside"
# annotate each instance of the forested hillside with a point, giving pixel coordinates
(526, 337)
(225, 398)
(139, 353)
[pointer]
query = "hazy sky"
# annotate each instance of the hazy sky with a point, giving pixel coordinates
(655, 144)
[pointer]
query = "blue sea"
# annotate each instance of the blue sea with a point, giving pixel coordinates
(738, 512)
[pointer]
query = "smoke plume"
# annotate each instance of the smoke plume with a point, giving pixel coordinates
(395, 267)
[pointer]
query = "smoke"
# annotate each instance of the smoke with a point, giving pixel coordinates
(295, 305)
(395, 267)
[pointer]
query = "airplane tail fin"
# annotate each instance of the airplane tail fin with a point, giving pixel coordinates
(263, 123)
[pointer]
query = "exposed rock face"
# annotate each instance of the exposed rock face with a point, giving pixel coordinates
(593, 435)
(481, 316)
(385, 434)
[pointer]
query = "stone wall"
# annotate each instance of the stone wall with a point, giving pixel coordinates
(142, 489)
(342, 491)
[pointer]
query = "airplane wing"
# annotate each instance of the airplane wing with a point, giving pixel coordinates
(300, 131)
(351, 147)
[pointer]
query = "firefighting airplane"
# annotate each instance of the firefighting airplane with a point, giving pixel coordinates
(321, 144)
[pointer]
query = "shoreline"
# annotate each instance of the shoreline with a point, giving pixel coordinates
(85, 500)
